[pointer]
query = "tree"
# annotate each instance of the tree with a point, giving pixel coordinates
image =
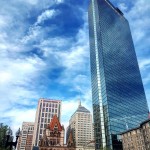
(3, 137)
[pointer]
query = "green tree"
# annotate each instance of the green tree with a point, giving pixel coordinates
(3, 137)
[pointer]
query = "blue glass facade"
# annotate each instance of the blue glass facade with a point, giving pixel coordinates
(118, 96)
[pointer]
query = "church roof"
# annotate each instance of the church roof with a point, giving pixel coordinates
(55, 122)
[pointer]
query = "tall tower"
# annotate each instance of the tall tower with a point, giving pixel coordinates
(45, 111)
(118, 96)
(81, 125)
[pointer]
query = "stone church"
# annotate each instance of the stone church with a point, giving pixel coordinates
(53, 137)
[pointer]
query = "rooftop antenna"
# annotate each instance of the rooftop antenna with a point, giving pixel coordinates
(79, 102)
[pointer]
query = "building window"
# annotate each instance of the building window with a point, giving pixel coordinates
(40, 131)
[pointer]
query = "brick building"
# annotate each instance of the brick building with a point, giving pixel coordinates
(137, 138)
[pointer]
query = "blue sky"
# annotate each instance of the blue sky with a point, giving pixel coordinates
(44, 52)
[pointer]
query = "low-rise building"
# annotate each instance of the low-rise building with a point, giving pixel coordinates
(137, 138)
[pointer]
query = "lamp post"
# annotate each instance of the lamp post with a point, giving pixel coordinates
(9, 141)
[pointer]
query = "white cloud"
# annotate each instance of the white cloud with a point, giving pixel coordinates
(78, 55)
(33, 33)
(40, 3)
(74, 58)
(144, 64)
(139, 19)
(18, 116)
(5, 77)
(36, 32)
(32, 2)
(18, 81)
(59, 1)
(3, 21)
(20, 70)
(45, 15)
(123, 7)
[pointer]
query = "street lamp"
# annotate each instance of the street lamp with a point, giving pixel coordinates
(9, 141)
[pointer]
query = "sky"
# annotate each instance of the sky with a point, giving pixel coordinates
(44, 53)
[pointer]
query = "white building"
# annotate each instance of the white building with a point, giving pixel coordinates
(81, 125)
(25, 140)
(46, 109)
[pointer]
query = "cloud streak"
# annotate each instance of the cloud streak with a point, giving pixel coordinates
(45, 15)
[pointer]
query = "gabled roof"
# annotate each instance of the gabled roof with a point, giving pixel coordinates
(55, 122)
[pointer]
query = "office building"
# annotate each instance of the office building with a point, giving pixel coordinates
(25, 140)
(46, 109)
(81, 125)
(137, 138)
(118, 96)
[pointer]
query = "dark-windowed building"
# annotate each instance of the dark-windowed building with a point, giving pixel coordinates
(118, 96)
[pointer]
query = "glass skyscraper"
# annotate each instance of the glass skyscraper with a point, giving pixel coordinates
(118, 96)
